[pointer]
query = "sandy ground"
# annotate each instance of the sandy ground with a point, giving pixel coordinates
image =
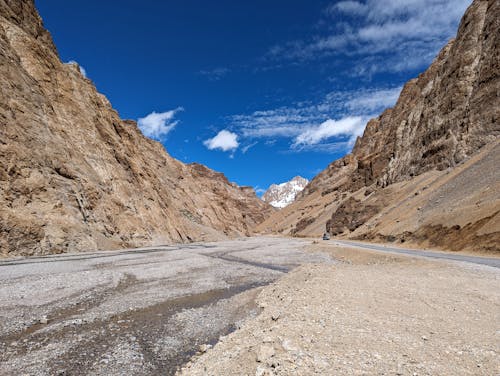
(133, 312)
(370, 314)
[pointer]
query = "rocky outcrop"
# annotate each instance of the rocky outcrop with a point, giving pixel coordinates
(441, 119)
(74, 176)
(281, 195)
(350, 215)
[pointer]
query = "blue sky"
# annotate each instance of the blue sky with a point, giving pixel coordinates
(259, 90)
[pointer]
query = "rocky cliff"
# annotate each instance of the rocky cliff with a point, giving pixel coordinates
(442, 118)
(281, 195)
(74, 176)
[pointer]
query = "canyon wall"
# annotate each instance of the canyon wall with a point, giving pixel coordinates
(74, 176)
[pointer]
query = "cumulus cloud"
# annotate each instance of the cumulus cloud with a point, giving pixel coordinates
(349, 127)
(158, 124)
(224, 140)
(385, 35)
(82, 69)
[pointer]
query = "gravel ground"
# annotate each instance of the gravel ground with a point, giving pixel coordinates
(133, 312)
(369, 314)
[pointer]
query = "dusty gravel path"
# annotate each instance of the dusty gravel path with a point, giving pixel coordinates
(369, 314)
(134, 312)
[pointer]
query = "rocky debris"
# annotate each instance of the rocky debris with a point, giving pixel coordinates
(352, 318)
(204, 348)
(73, 175)
(443, 118)
(265, 353)
(281, 195)
(261, 371)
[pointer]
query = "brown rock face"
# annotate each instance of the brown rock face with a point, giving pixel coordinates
(442, 118)
(444, 115)
(349, 216)
(74, 176)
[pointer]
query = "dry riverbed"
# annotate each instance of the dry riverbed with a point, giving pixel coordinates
(133, 312)
(371, 313)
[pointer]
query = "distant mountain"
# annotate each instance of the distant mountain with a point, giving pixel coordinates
(281, 195)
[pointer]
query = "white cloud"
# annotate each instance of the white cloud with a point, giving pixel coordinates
(350, 127)
(373, 100)
(82, 69)
(352, 7)
(245, 148)
(157, 125)
(306, 122)
(385, 35)
(326, 147)
(224, 140)
(279, 122)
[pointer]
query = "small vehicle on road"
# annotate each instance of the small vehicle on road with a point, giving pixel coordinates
(326, 236)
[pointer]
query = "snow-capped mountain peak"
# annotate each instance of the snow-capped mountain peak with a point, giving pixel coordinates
(281, 195)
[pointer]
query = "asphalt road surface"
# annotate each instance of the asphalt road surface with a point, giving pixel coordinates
(489, 261)
(135, 312)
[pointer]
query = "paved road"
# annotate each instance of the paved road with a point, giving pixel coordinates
(490, 261)
(143, 311)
